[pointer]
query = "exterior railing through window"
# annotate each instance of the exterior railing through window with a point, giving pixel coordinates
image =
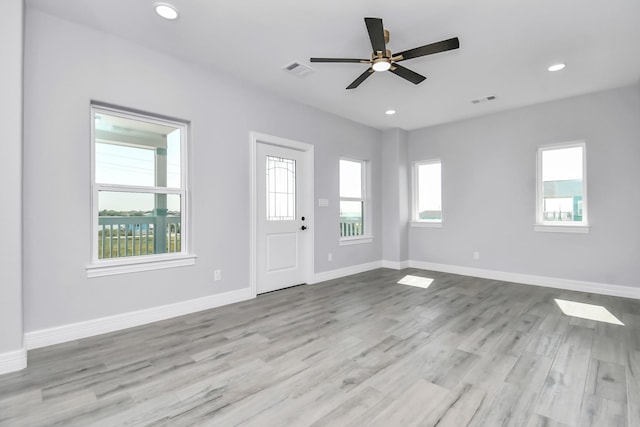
(125, 236)
(351, 227)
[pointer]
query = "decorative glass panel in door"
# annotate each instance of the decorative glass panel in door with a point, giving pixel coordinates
(281, 189)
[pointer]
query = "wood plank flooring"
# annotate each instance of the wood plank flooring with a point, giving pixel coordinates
(357, 351)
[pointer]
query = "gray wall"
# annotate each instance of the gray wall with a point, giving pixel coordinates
(395, 193)
(488, 181)
(404, 194)
(66, 67)
(11, 49)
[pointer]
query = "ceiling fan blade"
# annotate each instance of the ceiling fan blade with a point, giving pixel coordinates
(376, 34)
(429, 49)
(355, 60)
(407, 74)
(360, 79)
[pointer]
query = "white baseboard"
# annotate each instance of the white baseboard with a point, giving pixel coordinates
(347, 271)
(529, 279)
(74, 331)
(12, 361)
(395, 265)
(526, 279)
(17, 360)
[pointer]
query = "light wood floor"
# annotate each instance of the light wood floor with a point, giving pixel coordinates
(357, 351)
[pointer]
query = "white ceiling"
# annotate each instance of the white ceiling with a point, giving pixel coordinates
(505, 49)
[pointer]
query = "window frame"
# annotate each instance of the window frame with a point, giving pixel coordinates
(367, 235)
(561, 226)
(110, 266)
(415, 220)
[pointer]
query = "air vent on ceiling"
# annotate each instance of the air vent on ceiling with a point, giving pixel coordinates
(298, 69)
(485, 99)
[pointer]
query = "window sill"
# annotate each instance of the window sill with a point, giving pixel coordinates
(345, 241)
(124, 266)
(547, 228)
(426, 224)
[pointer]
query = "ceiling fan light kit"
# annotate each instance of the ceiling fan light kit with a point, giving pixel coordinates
(383, 60)
(381, 64)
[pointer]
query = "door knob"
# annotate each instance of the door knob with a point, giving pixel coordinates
(303, 228)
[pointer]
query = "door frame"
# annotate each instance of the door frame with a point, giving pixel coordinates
(306, 203)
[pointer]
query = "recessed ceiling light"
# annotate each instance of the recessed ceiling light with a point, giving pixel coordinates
(390, 112)
(556, 67)
(167, 11)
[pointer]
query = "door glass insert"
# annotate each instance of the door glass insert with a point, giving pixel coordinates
(281, 189)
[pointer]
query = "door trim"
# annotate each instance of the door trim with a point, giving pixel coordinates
(307, 203)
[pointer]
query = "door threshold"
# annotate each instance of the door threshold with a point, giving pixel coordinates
(282, 289)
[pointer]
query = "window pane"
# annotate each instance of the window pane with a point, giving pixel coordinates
(351, 218)
(350, 179)
(281, 189)
(562, 164)
(135, 224)
(174, 179)
(119, 164)
(429, 192)
(136, 152)
(562, 171)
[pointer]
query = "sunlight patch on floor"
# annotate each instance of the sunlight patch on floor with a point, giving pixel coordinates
(587, 311)
(417, 281)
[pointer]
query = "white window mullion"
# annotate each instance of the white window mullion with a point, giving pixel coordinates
(136, 189)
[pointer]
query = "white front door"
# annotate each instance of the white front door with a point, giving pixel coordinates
(281, 222)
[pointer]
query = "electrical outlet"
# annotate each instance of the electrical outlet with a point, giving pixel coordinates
(476, 255)
(217, 275)
(330, 257)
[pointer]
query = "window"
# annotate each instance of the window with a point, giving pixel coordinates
(353, 204)
(138, 191)
(427, 193)
(561, 188)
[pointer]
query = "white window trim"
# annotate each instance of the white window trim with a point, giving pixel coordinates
(562, 229)
(365, 181)
(424, 223)
(415, 221)
(559, 226)
(358, 240)
(112, 266)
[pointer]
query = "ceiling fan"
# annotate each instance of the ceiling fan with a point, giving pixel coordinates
(383, 60)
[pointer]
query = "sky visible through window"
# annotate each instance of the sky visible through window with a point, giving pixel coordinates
(429, 187)
(562, 169)
(351, 188)
(350, 179)
(562, 164)
(126, 165)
